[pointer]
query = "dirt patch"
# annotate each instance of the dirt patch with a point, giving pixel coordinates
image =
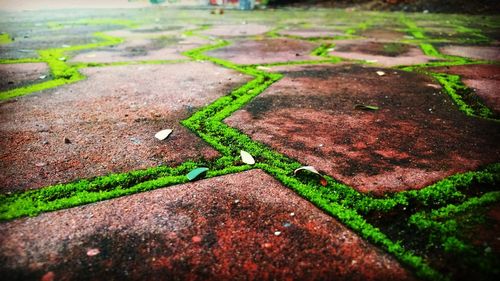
(266, 51)
(21, 74)
(232, 30)
(416, 138)
(230, 227)
(381, 53)
(473, 52)
(484, 79)
(107, 123)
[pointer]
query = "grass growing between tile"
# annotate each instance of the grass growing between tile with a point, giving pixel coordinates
(465, 98)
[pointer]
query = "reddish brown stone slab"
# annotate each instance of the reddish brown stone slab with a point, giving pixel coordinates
(231, 30)
(484, 79)
(311, 32)
(19, 74)
(416, 138)
(110, 120)
(266, 51)
(377, 53)
(141, 46)
(383, 34)
(474, 52)
(244, 226)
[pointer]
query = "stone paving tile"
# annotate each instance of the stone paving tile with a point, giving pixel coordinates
(416, 138)
(110, 119)
(266, 51)
(140, 46)
(241, 226)
(232, 30)
(383, 34)
(311, 32)
(19, 74)
(383, 53)
(484, 79)
(473, 52)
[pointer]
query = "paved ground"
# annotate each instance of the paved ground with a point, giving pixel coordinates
(398, 113)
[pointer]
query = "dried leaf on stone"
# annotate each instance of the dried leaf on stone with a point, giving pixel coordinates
(306, 168)
(163, 134)
(247, 158)
(380, 73)
(366, 107)
(196, 173)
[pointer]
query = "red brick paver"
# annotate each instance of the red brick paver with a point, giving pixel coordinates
(110, 120)
(416, 138)
(240, 226)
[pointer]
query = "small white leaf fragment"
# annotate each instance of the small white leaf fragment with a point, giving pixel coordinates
(42, 76)
(93, 252)
(308, 168)
(163, 134)
(380, 73)
(277, 233)
(247, 158)
(434, 86)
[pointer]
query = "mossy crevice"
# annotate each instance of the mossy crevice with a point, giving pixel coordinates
(465, 98)
(5, 38)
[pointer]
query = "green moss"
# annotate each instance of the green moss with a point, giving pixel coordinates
(466, 100)
(5, 39)
(26, 60)
(62, 72)
(460, 93)
(33, 88)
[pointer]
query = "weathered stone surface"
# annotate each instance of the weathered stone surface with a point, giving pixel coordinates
(110, 119)
(484, 79)
(381, 53)
(142, 46)
(240, 226)
(266, 51)
(19, 74)
(232, 30)
(416, 138)
(473, 52)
